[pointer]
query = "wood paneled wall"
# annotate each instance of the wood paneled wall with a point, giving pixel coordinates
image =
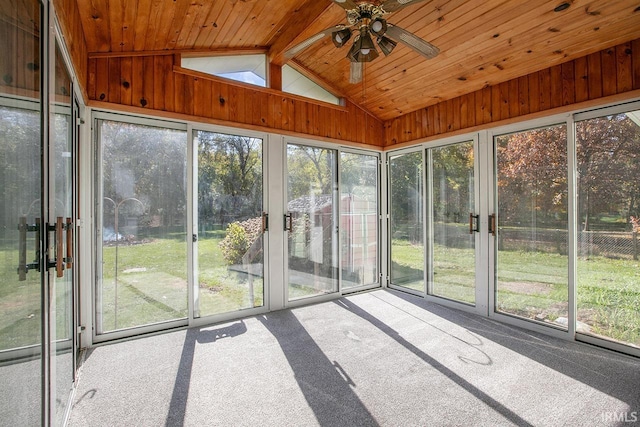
(20, 68)
(73, 34)
(609, 72)
(154, 82)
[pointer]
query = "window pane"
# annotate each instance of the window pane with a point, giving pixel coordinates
(311, 211)
(21, 373)
(359, 219)
(230, 237)
(298, 84)
(452, 189)
(608, 152)
(243, 68)
(406, 229)
(531, 247)
(143, 230)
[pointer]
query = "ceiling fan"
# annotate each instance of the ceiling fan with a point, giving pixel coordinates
(366, 19)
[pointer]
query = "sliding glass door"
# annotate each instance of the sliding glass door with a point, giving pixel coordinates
(22, 284)
(359, 224)
(229, 275)
(310, 221)
(406, 221)
(62, 155)
(142, 201)
(454, 223)
(608, 245)
(530, 225)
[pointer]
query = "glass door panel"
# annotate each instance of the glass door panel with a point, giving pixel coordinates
(20, 215)
(608, 277)
(359, 220)
(406, 220)
(312, 238)
(143, 239)
(453, 224)
(532, 237)
(230, 272)
(62, 316)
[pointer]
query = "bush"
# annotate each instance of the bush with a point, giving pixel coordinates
(235, 244)
(239, 238)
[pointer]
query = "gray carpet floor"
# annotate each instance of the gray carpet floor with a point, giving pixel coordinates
(375, 359)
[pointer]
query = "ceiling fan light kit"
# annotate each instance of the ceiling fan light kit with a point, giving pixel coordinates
(368, 18)
(386, 45)
(341, 37)
(363, 49)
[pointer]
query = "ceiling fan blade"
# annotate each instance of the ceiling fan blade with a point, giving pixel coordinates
(355, 72)
(290, 53)
(423, 47)
(393, 5)
(346, 4)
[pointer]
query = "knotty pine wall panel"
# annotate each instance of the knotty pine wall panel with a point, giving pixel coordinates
(73, 34)
(152, 82)
(609, 72)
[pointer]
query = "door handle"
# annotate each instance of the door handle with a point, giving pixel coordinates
(265, 222)
(59, 247)
(474, 219)
(288, 218)
(23, 229)
(22, 249)
(69, 258)
(492, 224)
(58, 262)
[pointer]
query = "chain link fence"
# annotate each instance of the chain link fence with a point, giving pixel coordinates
(609, 244)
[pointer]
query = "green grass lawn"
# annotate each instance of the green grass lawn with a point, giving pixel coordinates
(534, 284)
(152, 287)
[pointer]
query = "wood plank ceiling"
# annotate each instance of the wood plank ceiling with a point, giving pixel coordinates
(482, 42)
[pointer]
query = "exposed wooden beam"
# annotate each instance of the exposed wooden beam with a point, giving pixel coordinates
(292, 27)
(184, 52)
(275, 76)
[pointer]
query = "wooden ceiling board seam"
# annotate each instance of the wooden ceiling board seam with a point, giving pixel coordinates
(168, 14)
(128, 26)
(155, 12)
(193, 32)
(216, 27)
(237, 18)
(252, 33)
(140, 24)
(207, 27)
(98, 22)
(116, 18)
(278, 19)
(181, 18)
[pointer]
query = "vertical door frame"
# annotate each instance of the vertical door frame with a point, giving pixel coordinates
(491, 185)
(378, 156)
(480, 278)
(388, 156)
(97, 116)
(192, 223)
(284, 191)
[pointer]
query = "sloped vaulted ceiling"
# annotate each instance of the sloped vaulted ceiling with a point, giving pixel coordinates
(482, 42)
